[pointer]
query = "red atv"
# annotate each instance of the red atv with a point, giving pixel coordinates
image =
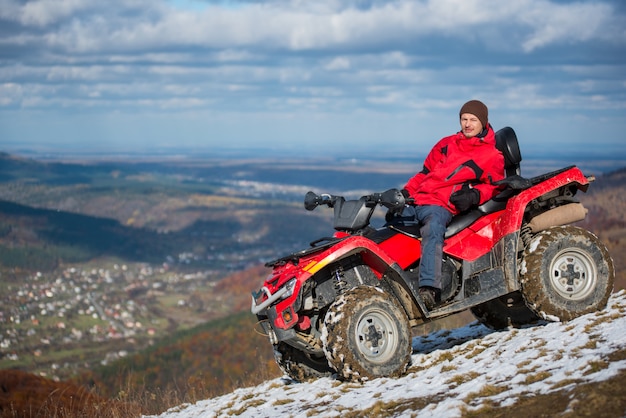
(347, 304)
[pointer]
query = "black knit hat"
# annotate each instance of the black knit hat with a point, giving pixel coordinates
(478, 109)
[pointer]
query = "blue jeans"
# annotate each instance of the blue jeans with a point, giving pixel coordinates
(433, 220)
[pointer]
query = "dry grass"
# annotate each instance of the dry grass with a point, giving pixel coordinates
(459, 379)
(537, 377)
(25, 395)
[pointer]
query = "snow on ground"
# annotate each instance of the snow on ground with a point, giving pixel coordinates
(451, 370)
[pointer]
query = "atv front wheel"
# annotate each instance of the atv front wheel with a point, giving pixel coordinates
(300, 366)
(366, 335)
(566, 272)
(503, 312)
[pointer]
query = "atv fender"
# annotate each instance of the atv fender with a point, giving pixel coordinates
(514, 212)
(372, 255)
(386, 269)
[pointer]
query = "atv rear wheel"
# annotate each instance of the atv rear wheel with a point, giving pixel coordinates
(300, 366)
(566, 272)
(366, 335)
(503, 312)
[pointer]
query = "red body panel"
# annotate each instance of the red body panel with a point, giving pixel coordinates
(476, 240)
(403, 249)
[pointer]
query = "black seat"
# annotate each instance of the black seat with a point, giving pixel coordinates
(506, 142)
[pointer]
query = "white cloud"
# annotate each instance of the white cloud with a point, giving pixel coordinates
(10, 93)
(90, 25)
(567, 23)
(415, 59)
(45, 12)
(338, 63)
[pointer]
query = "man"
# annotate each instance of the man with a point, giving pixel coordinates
(458, 174)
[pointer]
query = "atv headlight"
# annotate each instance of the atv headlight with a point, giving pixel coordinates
(290, 286)
(282, 293)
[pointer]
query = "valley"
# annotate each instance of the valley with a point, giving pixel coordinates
(101, 261)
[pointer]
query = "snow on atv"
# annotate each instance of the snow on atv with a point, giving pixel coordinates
(347, 304)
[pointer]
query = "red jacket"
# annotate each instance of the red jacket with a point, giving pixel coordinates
(456, 160)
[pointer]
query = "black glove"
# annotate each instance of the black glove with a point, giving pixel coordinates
(515, 182)
(407, 197)
(465, 198)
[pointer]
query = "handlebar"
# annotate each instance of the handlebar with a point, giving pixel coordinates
(391, 199)
(312, 200)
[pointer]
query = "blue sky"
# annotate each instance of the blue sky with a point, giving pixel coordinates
(316, 76)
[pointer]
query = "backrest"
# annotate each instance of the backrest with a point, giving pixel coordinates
(506, 142)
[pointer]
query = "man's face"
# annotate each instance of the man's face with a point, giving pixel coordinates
(470, 125)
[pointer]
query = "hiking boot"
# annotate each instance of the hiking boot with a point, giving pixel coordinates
(429, 297)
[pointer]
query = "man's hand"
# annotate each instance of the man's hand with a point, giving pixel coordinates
(407, 197)
(515, 182)
(465, 198)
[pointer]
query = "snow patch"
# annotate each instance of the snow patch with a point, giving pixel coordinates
(523, 269)
(548, 317)
(535, 243)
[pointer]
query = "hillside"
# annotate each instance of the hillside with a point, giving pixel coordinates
(215, 358)
(573, 369)
(112, 273)
(26, 395)
(570, 369)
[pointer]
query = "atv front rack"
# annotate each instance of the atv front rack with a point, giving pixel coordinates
(284, 291)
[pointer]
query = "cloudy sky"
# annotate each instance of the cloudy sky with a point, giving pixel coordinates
(320, 75)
